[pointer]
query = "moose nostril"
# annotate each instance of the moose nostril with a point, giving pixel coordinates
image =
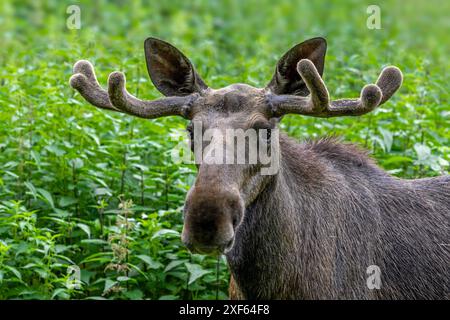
(234, 222)
(228, 246)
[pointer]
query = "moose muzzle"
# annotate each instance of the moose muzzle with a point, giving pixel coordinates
(211, 215)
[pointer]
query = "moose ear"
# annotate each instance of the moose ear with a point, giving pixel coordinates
(169, 69)
(286, 79)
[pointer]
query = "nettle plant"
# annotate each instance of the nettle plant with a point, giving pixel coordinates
(312, 228)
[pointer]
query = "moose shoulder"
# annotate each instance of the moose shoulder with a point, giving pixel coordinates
(328, 219)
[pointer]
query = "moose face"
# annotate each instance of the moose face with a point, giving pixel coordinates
(215, 205)
(230, 178)
(238, 126)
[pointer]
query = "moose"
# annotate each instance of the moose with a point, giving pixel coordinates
(329, 220)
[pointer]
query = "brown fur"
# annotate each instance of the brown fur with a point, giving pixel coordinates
(328, 215)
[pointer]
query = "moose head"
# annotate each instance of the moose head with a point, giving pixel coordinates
(216, 203)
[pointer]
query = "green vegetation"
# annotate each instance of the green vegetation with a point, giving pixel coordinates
(98, 190)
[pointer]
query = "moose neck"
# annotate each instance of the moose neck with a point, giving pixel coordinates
(285, 243)
(271, 229)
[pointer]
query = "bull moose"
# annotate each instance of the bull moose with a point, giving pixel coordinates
(313, 229)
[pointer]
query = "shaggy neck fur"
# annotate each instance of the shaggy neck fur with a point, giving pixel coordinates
(331, 213)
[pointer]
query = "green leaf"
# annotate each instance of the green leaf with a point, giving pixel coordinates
(108, 285)
(61, 213)
(85, 228)
(29, 265)
(423, 152)
(123, 279)
(99, 256)
(14, 271)
(45, 195)
(94, 241)
(173, 264)
(67, 201)
(443, 163)
(397, 159)
(195, 271)
(76, 163)
(135, 294)
(102, 192)
(32, 189)
(61, 292)
(95, 138)
(165, 232)
(388, 138)
(55, 150)
(152, 264)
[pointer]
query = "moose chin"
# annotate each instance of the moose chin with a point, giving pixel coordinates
(314, 228)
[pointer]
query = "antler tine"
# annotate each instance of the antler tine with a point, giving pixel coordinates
(127, 103)
(118, 99)
(317, 103)
(319, 97)
(389, 81)
(85, 82)
(369, 99)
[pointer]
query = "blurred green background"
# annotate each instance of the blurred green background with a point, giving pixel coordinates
(94, 196)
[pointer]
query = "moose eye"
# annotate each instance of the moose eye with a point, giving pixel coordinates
(264, 131)
(265, 135)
